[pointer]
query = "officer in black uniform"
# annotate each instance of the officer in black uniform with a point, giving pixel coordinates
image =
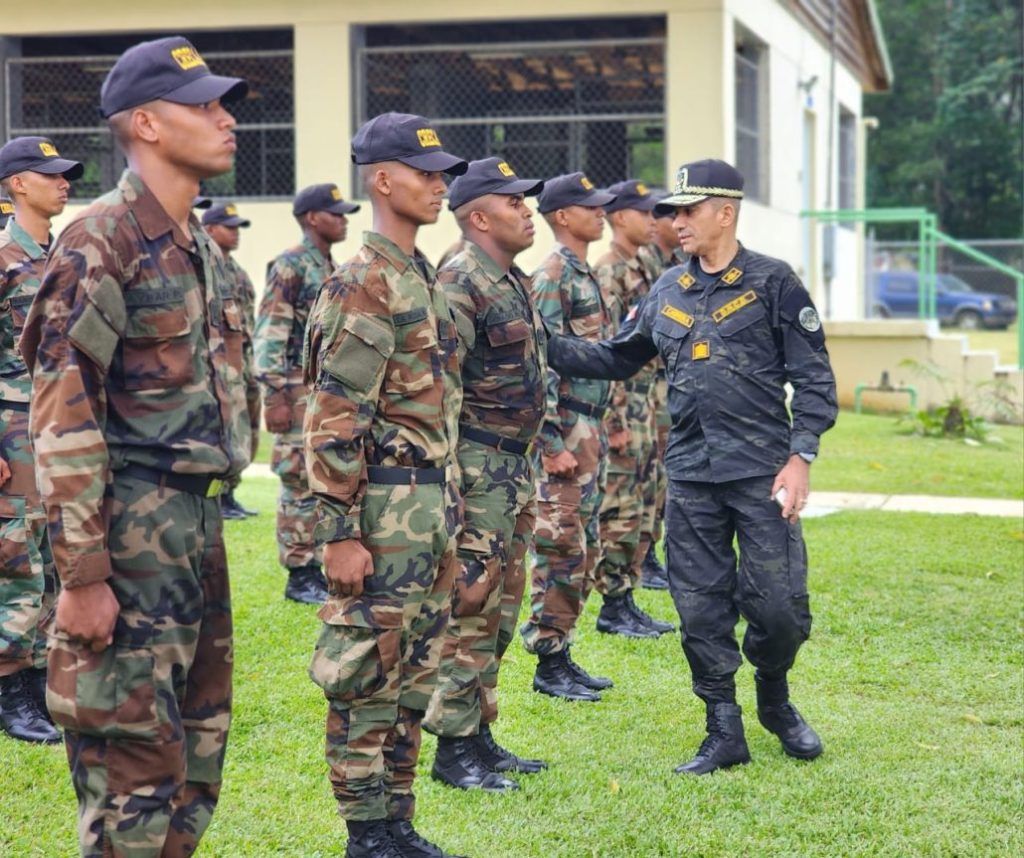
(732, 327)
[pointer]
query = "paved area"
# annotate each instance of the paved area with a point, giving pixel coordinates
(825, 503)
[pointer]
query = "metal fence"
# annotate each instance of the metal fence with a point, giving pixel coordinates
(902, 255)
(549, 107)
(58, 97)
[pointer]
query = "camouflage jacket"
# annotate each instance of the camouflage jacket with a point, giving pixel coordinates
(655, 261)
(383, 370)
(624, 283)
(245, 295)
(134, 342)
(21, 269)
(568, 298)
(293, 283)
(453, 251)
(729, 351)
(501, 345)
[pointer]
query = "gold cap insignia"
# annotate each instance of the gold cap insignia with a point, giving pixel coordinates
(230, 211)
(187, 57)
(428, 137)
(587, 184)
(505, 169)
(335, 194)
(641, 189)
(48, 150)
(6, 208)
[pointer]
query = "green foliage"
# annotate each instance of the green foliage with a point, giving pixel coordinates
(956, 417)
(950, 134)
(912, 677)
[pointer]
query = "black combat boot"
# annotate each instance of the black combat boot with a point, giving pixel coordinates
(498, 759)
(306, 584)
(595, 683)
(411, 844)
(646, 619)
(779, 716)
(457, 764)
(370, 839)
(35, 678)
(228, 501)
(725, 744)
(555, 678)
(20, 713)
(653, 576)
(616, 619)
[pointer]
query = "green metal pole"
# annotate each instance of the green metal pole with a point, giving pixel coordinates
(922, 268)
(933, 244)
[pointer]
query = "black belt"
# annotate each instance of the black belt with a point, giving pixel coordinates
(595, 411)
(395, 476)
(637, 387)
(493, 439)
(203, 485)
(9, 405)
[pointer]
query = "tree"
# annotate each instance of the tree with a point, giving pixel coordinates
(950, 136)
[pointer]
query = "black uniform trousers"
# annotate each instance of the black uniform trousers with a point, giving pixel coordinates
(768, 586)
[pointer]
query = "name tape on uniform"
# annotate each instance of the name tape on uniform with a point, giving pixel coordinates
(677, 315)
(735, 304)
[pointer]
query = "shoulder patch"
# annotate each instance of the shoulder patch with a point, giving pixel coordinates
(677, 315)
(809, 319)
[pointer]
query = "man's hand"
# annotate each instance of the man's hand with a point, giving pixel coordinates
(278, 417)
(346, 564)
(88, 614)
(5, 471)
(619, 441)
(795, 477)
(560, 465)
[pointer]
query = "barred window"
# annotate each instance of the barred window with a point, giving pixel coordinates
(553, 96)
(752, 115)
(847, 161)
(52, 89)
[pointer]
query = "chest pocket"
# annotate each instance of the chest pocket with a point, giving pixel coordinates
(415, 364)
(363, 347)
(670, 337)
(232, 332)
(508, 336)
(156, 348)
(19, 310)
(586, 320)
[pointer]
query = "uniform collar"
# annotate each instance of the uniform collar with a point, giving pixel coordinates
(491, 268)
(395, 255)
(312, 250)
(570, 257)
(24, 240)
(152, 218)
(631, 262)
(736, 264)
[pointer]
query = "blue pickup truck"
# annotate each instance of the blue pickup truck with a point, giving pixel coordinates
(895, 295)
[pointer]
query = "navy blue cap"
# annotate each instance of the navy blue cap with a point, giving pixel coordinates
(659, 194)
(698, 180)
(6, 211)
(202, 202)
(407, 138)
(38, 155)
(169, 69)
(573, 189)
(322, 198)
(224, 214)
(631, 194)
(489, 176)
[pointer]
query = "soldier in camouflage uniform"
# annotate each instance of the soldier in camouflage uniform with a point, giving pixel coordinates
(134, 342)
(35, 175)
(380, 436)
(504, 375)
(293, 282)
(572, 441)
(734, 327)
(222, 223)
(624, 284)
(657, 257)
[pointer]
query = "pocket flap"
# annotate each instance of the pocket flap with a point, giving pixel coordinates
(362, 611)
(157, 321)
(506, 333)
(372, 332)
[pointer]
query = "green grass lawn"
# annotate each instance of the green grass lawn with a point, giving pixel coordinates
(912, 676)
(874, 453)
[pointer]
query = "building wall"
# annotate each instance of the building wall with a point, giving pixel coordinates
(699, 91)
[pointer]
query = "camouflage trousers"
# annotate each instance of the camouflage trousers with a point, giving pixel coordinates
(377, 655)
(567, 540)
(27, 576)
(500, 511)
(146, 720)
(296, 506)
(768, 586)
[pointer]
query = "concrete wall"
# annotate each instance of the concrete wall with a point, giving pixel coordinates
(699, 92)
(861, 351)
